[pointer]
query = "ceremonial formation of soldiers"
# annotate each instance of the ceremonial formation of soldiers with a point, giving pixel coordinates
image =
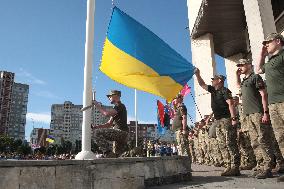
(241, 136)
(237, 136)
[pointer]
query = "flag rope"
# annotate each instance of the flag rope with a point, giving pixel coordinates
(195, 104)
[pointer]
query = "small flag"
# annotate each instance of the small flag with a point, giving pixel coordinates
(50, 139)
(185, 90)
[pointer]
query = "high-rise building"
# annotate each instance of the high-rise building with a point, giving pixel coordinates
(13, 106)
(38, 137)
(66, 121)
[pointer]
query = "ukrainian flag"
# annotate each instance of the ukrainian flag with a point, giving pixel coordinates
(50, 139)
(136, 57)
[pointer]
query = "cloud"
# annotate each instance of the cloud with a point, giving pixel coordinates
(46, 94)
(28, 77)
(39, 117)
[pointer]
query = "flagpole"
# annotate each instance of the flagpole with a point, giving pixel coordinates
(86, 152)
(136, 124)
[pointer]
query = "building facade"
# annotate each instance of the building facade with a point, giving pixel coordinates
(66, 121)
(232, 29)
(38, 137)
(13, 106)
(149, 132)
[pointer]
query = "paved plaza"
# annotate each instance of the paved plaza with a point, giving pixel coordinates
(207, 177)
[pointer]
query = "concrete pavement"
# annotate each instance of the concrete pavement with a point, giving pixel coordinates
(207, 177)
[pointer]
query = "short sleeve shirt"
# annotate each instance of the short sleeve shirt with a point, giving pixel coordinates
(177, 121)
(251, 98)
(274, 74)
(120, 119)
(219, 105)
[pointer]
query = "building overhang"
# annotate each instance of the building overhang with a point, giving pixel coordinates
(225, 20)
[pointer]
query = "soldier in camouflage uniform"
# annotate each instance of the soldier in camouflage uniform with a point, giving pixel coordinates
(255, 109)
(274, 74)
(180, 127)
(191, 145)
(116, 128)
(225, 120)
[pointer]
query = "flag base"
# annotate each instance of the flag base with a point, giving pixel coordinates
(85, 155)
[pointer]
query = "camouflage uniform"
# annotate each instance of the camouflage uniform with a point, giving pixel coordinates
(276, 112)
(227, 140)
(248, 159)
(104, 136)
(118, 134)
(191, 149)
(182, 139)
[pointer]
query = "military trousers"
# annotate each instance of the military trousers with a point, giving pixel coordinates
(276, 112)
(104, 136)
(260, 137)
(227, 139)
(183, 144)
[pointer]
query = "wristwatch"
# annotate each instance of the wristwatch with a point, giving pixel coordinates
(266, 112)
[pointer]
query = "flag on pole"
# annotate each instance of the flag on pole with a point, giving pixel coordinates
(50, 139)
(185, 90)
(136, 57)
(160, 117)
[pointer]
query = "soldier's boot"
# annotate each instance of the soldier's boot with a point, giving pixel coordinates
(280, 179)
(225, 171)
(247, 167)
(279, 168)
(264, 174)
(234, 171)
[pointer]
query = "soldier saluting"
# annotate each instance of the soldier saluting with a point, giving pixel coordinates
(225, 120)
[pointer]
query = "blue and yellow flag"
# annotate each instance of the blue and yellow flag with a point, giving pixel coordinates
(136, 57)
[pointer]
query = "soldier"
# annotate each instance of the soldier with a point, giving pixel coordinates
(180, 126)
(225, 120)
(191, 145)
(255, 109)
(116, 128)
(274, 73)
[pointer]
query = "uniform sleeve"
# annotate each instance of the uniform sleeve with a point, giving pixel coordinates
(118, 108)
(258, 82)
(210, 88)
(183, 110)
(227, 94)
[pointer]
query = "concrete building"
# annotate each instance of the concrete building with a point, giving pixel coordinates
(38, 137)
(233, 29)
(143, 130)
(13, 106)
(149, 132)
(66, 121)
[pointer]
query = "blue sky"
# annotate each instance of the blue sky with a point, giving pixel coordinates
(42, 42)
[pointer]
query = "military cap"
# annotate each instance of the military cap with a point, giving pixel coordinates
(244, 61)
(179, 96)
(114, 92)
(273, 36)
(223, 78)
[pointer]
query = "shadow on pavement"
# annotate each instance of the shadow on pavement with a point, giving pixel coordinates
(197, 181)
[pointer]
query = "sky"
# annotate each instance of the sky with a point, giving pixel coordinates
(43, 43)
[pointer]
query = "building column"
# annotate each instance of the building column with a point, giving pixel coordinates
(231, 68)
(203, 57)
(260, 22)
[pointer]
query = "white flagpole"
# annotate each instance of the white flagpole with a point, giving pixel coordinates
(86, 152)
(136, 124)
